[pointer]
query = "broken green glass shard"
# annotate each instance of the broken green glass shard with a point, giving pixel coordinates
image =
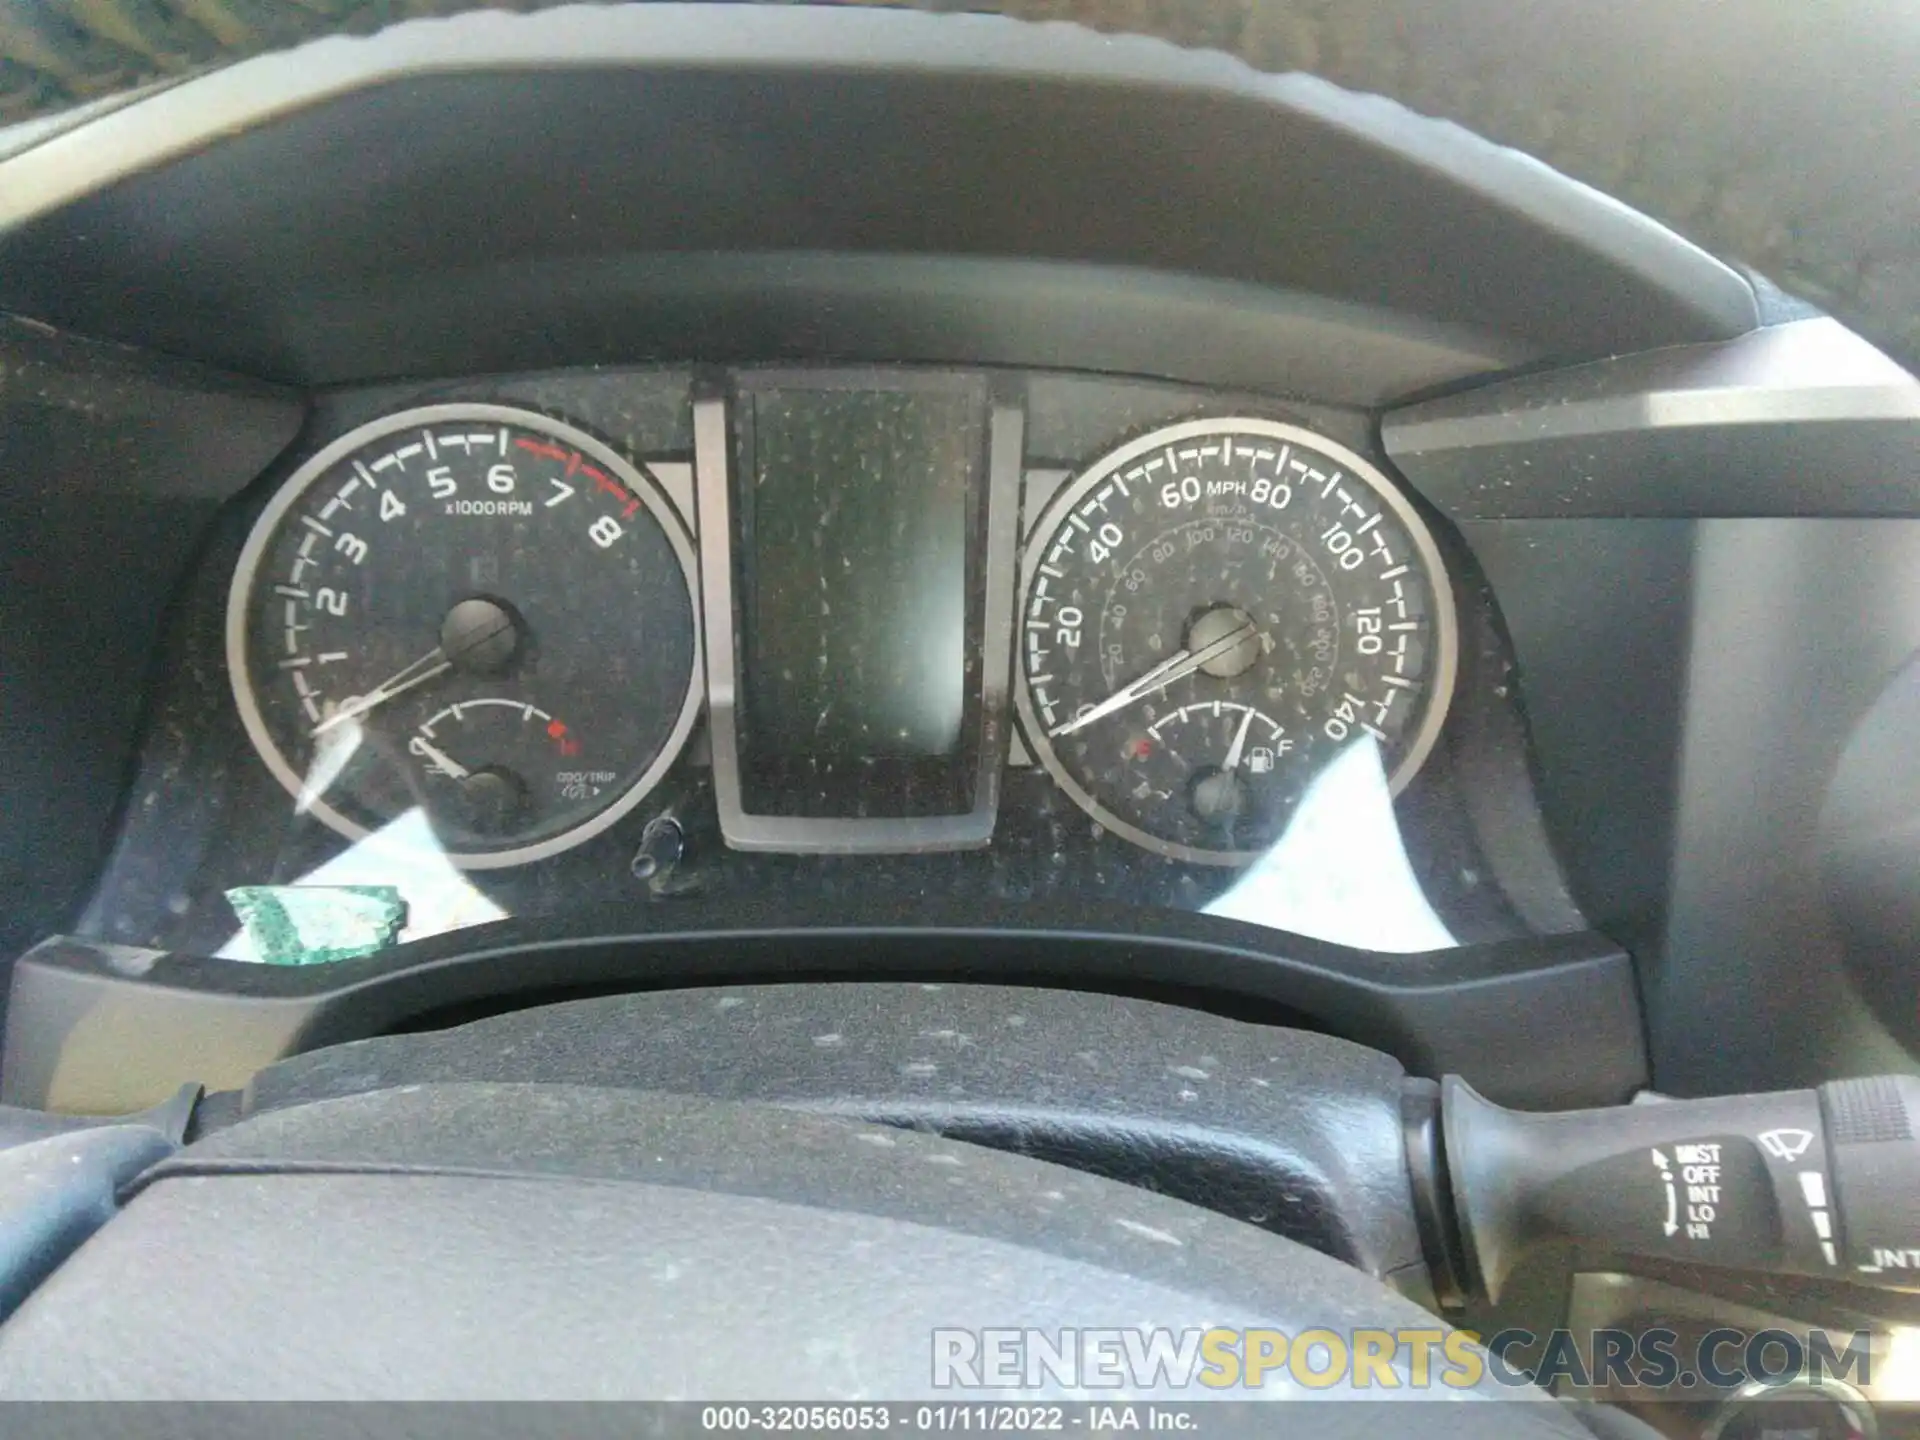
(318, 924)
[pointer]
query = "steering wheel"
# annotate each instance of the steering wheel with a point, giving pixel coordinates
(470, 1240)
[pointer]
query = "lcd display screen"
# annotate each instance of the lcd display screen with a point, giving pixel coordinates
(861, 506)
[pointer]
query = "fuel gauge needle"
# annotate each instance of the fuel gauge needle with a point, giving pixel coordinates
(1239, 742)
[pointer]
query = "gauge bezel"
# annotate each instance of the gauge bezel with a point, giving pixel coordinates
(1439, 698)
(241, 593)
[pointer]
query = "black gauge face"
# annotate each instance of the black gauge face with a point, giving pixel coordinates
(1212, 613)
(473, 611)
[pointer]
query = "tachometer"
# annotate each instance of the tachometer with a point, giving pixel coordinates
(474, 610)
(1211, 613)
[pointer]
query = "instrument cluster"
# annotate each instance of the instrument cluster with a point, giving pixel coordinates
(608, 636)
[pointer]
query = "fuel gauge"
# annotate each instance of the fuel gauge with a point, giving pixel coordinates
(1214, 770)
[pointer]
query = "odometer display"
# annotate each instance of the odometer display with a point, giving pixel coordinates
(474, 611)
(1215, 610)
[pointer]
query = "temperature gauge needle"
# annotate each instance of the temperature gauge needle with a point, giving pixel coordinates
(1174, 667)
(442, 761)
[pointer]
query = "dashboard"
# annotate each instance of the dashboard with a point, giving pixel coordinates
(1122, 571)
(1365, 582)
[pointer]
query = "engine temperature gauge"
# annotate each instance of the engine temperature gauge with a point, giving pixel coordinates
(492, 762)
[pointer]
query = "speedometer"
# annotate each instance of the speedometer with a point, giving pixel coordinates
(1212, 613)
(471, 611)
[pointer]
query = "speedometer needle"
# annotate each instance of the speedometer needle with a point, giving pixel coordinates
(1174, 667)
(434, 662)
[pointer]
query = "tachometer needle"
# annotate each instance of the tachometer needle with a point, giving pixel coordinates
(442, 761)
(434, 662)
(1239, 743)
(1174, 667)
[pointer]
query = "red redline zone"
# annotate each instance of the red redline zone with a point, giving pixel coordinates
(630, 503)
(616, 489)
